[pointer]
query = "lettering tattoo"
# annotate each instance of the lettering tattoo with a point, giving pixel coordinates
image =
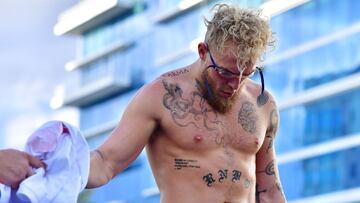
(189, 111)
(185, 163)
(262, 99)
(236, 175)
(223, 175)
(208, 178)
(247, 117)
(176, 73)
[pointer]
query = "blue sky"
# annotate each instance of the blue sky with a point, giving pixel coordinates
(31, 66)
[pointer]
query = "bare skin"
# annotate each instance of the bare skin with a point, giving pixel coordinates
(16, 166)
(196, 153)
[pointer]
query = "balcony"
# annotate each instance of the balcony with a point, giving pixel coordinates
(100, 129)
(88, 14)
(106, 125)
(97, 90)
(116, 47)
(183, 7)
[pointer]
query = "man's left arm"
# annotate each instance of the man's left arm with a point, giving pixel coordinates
(268, 186)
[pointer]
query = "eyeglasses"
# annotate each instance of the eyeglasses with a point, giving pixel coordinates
(227, 74)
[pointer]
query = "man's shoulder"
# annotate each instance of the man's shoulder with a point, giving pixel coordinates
(176, 74)
(173, 80)
(263, 98)
(163, 84)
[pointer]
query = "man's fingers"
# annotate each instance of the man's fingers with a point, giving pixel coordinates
(29, 172)
(15, 186)
(35, 162)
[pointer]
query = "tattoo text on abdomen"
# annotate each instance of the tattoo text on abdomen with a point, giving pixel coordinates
(210, 179)
(185, 163)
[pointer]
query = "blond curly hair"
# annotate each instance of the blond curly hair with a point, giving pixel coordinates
(245, 28)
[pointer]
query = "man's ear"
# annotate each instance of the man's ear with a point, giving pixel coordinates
(202, 50)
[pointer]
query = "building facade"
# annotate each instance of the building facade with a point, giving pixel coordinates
(313, 74)
(318, 61)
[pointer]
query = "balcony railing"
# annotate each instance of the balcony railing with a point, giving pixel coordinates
(88, 14)
(97, 90)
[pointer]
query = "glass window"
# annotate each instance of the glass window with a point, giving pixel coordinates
(319, 121)
(104, 112)
(322, 174)
(312, 20)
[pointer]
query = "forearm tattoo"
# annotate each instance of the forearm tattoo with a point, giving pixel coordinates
(247, 117)
(258, 192)
(269, 171)
(97, 151)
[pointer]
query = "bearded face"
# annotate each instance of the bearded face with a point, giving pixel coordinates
(219, 103)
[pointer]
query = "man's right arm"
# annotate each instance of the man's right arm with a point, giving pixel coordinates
(128, 139)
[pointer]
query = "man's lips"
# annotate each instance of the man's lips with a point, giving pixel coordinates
(226, 94)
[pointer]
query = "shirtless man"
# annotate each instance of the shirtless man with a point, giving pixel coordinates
(208, 129)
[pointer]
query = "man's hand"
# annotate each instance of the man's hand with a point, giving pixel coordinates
(16, 165)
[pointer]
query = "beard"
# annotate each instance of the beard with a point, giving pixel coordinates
(219, 103)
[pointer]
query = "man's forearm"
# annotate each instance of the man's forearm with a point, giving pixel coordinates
(99, 172)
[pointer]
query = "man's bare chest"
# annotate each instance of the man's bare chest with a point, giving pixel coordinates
(195, 125)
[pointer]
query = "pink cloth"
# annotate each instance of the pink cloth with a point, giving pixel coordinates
(67, 156)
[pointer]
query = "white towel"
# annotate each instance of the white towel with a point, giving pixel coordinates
(67, 156)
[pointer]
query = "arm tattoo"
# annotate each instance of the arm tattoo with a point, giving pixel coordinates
(271, 143)
(247, 117)
(269, 169)
(97, 151)
(273, 120)
(258, 192)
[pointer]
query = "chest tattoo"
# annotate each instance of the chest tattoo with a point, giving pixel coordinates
(189, 111)
(247, 117)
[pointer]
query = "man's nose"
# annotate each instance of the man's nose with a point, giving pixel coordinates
(234, 83)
